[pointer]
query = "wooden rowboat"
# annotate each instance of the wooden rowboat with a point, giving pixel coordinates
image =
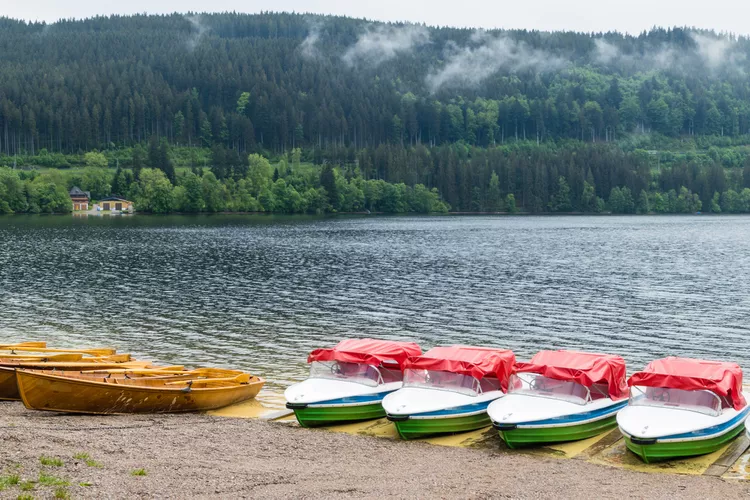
(182, 392)
(9, 388)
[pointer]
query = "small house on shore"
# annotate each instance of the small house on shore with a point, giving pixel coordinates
(80, 199)
(115, 203)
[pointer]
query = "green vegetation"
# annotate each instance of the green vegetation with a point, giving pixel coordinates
(86, 458)
(48, 480)
(8, 481)
(288, 113)
(138, 472)
(24, 497)
(51, 461)
(62, 494)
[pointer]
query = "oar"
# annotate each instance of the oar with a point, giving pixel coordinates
(40, 345)
(18, 358)
(243, 378)
(105, 351)
(116, 358)
(180, 370)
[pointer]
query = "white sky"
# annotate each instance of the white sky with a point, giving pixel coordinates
(632, 16)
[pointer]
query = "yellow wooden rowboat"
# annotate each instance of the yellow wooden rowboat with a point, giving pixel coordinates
(183, 392)
(9, 388)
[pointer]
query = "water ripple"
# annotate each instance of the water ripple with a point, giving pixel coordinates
(260, 292)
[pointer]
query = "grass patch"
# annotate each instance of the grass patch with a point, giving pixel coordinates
(51, 461)
(26, 486)
(85, 485)
(47, 480)
(8, 481)
(138, 472)
(62, 493)
(86, 458)
(24, 497)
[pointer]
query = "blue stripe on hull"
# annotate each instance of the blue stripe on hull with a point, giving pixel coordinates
(456, 411)
(578, 418)
(364, 399)
(716, 429)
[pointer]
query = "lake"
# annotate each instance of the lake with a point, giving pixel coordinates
(260, 292)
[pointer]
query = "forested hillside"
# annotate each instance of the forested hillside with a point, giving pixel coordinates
(557, 121)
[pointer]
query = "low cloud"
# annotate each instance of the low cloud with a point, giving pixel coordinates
(199, 29)
(710, 53)
(382, 43)
(470, 65)
(309, 46)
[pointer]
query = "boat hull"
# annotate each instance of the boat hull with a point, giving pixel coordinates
(8, 385)
(660, 450)
(323, 415)
(414, 428)
(41, 391)
(529, 436)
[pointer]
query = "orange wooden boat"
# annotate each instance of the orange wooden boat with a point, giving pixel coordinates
(57, 362)
(112, 392)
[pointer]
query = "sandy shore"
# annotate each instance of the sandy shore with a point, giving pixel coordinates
(199, 456)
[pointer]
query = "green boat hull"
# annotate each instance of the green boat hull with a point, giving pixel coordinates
(657, 452)
(415, 428)
(520, 436)
(321, 416)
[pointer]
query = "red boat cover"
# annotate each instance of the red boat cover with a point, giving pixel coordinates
(478, 362)
(724, 379)
(369, 351)
(584, 368)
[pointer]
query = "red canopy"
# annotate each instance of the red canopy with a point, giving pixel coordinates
(478, 362)
(584, 368)
(724, 379)
(369, 351)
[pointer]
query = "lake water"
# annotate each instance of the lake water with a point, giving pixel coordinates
(260, 292)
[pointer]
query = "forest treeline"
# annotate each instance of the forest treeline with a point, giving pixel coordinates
(250, 184)
(278, 81)
(382, 117)
(524, 177)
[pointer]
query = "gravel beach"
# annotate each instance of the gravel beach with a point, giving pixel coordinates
(200, 456)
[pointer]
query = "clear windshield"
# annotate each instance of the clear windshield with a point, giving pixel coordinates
(447, 381)
(359, 373)
(533, 384)
(700, 401)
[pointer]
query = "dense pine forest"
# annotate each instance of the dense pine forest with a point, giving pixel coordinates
(300, 113)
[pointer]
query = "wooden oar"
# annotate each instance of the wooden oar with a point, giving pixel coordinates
(105, 351)
(19, 358)
(116, 358)
(180, 370)
(243, 378)
(40, 345)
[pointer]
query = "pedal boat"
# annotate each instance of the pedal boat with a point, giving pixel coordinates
(448, 389)
(561, 396)
(348, 382)
(683, 407)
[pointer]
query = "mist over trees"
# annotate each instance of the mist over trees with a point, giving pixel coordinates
(552, 121)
